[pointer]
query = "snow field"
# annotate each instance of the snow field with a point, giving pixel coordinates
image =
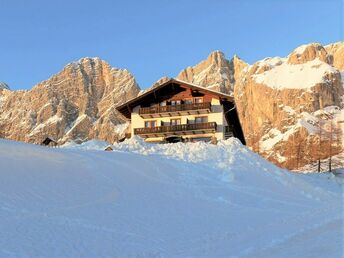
(173, 200)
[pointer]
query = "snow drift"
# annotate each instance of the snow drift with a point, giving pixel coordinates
(173, 200)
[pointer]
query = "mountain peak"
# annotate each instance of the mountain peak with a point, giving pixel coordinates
(216, 57)
(85, 61)
(309, 52)
(215, 72)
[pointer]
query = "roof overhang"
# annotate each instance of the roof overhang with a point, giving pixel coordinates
(126, 108)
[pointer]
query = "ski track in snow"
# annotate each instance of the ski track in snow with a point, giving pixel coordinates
(142, 200)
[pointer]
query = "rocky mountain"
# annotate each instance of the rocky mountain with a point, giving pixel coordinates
(78, 103)
(215, 73)
(281, 102)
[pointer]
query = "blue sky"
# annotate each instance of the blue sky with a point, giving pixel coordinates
(154, 38)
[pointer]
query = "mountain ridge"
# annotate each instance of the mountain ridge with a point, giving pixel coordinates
(78, 103)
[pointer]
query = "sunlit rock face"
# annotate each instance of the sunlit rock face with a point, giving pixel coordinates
(215, 73)
(280, 100)
(78, 103)
(336, 50)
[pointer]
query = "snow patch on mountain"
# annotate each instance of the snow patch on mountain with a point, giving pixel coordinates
(274, 136)
(75, 123)
(293, 76)
(52, 120)
(120, 129)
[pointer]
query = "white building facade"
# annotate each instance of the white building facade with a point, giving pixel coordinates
(179, 111)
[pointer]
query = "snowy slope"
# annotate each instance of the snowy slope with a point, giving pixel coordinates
(142, 200)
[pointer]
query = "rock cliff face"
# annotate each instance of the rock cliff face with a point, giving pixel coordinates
(77, 103)
(337, 52)
(215, 72)
(280, 101)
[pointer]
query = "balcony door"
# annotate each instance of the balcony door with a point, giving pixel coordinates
(201, 119)
(175, 121)
(150, 124)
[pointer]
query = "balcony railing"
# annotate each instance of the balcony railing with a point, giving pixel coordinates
(175, 108)
(168, 129)
(229, 131)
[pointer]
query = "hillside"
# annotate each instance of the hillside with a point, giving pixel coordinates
(181, 200)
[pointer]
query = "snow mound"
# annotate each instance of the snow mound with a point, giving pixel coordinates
(236, 162)
(89, 145)
(222, 156)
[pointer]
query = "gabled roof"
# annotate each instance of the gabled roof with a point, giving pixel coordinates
(126, 108)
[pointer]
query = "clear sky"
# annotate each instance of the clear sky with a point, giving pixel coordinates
(154, 38)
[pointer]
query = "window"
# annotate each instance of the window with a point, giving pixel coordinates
(201, 119)
(175, 121)
(150, 124)
(201, 139)
(175, 102)
(188, 101)
(198, 100)
(162, 104)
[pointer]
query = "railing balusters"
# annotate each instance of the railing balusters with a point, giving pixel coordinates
(174, 108)
(175, 128)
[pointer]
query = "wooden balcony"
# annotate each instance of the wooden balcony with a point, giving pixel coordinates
(158, 131)
(175, 110)
(228, 130)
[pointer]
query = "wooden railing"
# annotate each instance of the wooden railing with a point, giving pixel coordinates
(228, 131)
(174, 108)
(175, 128)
